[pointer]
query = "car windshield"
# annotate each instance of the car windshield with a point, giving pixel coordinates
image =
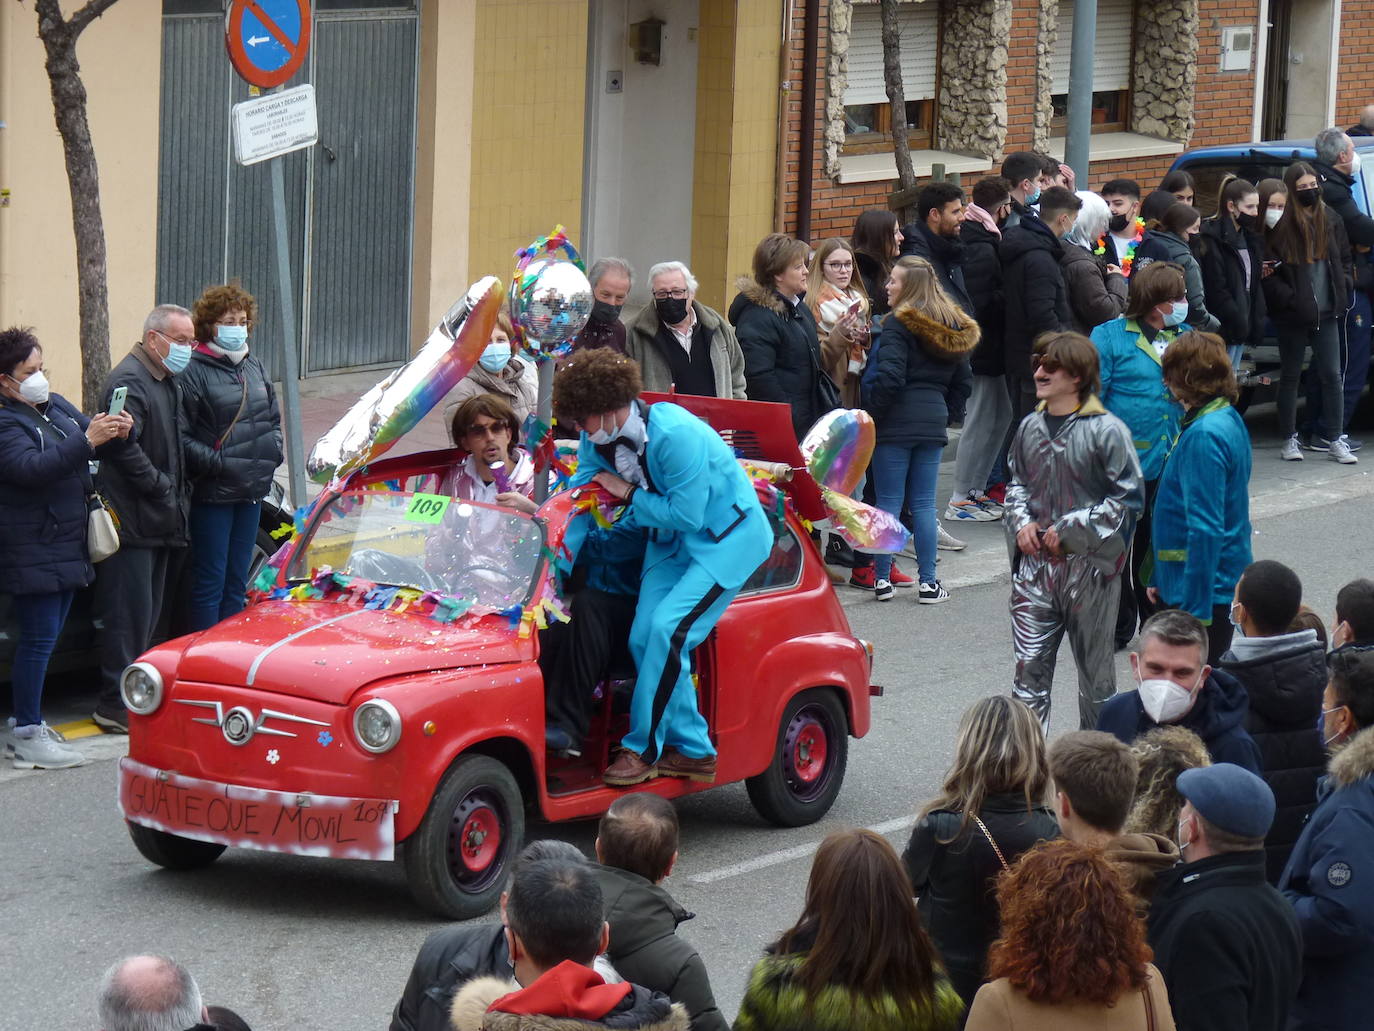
(488, 555)
(1208, 172)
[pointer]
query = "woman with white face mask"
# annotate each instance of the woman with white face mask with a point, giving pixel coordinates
(46, 447)
(498, 371)
(233, 439)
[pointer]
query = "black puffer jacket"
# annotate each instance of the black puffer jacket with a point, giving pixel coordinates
(1034, 288)
(923, 375)
(449, 958)
(646, 950)
(983, 277)
(956, 879)
(1338, 196)
(144, 478)
(946, 256)
(1288, 291)
(221, 398)
(1239, 309)
(1285, 688)
(44, 480)
(782, 354)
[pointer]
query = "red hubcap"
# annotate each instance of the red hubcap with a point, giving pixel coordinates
(479, 841)
(809, 753)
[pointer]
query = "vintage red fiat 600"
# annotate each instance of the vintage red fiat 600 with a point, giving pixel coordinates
(345, 722)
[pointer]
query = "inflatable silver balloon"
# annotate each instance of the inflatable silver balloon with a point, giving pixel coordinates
(395, 405)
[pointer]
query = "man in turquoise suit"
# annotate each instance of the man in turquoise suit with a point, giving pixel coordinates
(707, 534)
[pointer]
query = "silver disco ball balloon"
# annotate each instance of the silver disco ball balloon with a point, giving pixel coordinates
(552, 303)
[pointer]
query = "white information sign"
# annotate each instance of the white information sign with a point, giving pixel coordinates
(276, 124)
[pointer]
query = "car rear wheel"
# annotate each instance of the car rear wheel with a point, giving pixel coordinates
(171, 850)
(807, 771)
(458, 859)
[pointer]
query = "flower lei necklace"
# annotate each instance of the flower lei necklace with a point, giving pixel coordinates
(1130, 247)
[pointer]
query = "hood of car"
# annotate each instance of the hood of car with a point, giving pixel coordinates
(327, 651)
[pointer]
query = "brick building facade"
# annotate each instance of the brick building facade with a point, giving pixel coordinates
(1201, 103)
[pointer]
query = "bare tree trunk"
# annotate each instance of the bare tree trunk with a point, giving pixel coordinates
(896, 95)
(59, 36)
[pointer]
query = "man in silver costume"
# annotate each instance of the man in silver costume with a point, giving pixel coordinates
(1072, 501)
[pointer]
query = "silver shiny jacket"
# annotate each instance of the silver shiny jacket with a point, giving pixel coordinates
(1085, 482)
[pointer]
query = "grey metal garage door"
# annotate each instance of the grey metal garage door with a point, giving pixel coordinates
(349, 199)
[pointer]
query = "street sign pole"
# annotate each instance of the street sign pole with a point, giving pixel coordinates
(290, 370)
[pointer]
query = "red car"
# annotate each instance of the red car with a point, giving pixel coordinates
(371, 714)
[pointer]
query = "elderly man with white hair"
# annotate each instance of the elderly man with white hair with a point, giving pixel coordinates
(150, 993)
(681, 344)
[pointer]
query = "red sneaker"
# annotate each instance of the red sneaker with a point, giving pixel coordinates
(862, 578)
(900, 579)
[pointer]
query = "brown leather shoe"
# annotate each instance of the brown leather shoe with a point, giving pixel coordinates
(628, 768)
(673, 763)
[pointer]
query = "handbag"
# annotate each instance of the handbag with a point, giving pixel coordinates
(102, 536)
(1149, 1008)
(987, 834)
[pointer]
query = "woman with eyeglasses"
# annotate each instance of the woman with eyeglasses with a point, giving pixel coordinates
(46, 447)
(1308, 291)
(233, 440)
(840, 306)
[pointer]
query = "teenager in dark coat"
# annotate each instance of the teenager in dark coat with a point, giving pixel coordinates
(1230, 253)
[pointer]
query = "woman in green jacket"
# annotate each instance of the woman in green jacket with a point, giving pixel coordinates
(858, 957)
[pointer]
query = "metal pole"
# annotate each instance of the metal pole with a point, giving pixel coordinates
(1081, 89)
(545, 412)
(291, 373)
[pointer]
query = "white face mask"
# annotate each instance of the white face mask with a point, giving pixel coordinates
(35, 389)
(1178, 837)
(1165, 701)
(604, 435)
(1272, 216)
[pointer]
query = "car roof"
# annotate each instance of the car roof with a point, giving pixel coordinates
(1305, 147)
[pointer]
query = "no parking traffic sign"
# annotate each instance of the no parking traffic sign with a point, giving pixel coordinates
(267, 39)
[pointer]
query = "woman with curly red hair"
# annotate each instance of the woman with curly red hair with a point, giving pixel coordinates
(1072, 953)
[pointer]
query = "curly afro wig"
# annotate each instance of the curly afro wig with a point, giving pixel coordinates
(595, 382)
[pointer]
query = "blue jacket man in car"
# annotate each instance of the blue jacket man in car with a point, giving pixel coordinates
(707, 534)
(1330, 876)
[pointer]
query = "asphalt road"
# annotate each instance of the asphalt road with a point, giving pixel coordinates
(295, 942)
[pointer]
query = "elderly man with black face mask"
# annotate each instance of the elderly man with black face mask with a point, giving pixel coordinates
(611, 279)
(681, 344)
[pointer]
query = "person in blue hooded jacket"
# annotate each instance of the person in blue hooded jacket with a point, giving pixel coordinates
(1131, 353)
(707, 534)
(1330, 875)
(1176, 687)
(1201, 519)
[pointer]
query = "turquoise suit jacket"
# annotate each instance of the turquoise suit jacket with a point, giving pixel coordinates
(1201, 530)
(699, 500)
(1133, 390)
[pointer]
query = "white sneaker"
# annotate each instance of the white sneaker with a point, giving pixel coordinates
(1340, 451)
(1291, 450)
(948, 542)
(41, 748)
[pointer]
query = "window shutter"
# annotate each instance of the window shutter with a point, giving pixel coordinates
(919, 24)
(1111, 55)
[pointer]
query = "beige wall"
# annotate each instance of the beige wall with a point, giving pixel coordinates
(120, 56)
(527, 127)
(443, 167)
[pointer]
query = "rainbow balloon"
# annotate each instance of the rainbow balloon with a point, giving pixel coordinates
(396, 405)
(838, 448)
(865, 527)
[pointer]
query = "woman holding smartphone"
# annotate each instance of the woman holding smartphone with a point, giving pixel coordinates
(1308, 290)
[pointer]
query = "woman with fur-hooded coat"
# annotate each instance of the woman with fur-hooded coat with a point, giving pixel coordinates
(923, 373)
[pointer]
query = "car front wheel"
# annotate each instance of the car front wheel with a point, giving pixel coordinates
(457, 860)
(171, 850)
(807, 771)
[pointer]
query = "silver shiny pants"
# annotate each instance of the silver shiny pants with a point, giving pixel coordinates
(1049, 597)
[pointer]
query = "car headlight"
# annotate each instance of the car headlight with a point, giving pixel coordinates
(141, 687)
(377, 725)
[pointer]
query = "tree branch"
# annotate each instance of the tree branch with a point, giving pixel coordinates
(93, 10)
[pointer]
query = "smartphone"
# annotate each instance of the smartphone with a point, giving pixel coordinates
(855, 308)
(117, 400)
